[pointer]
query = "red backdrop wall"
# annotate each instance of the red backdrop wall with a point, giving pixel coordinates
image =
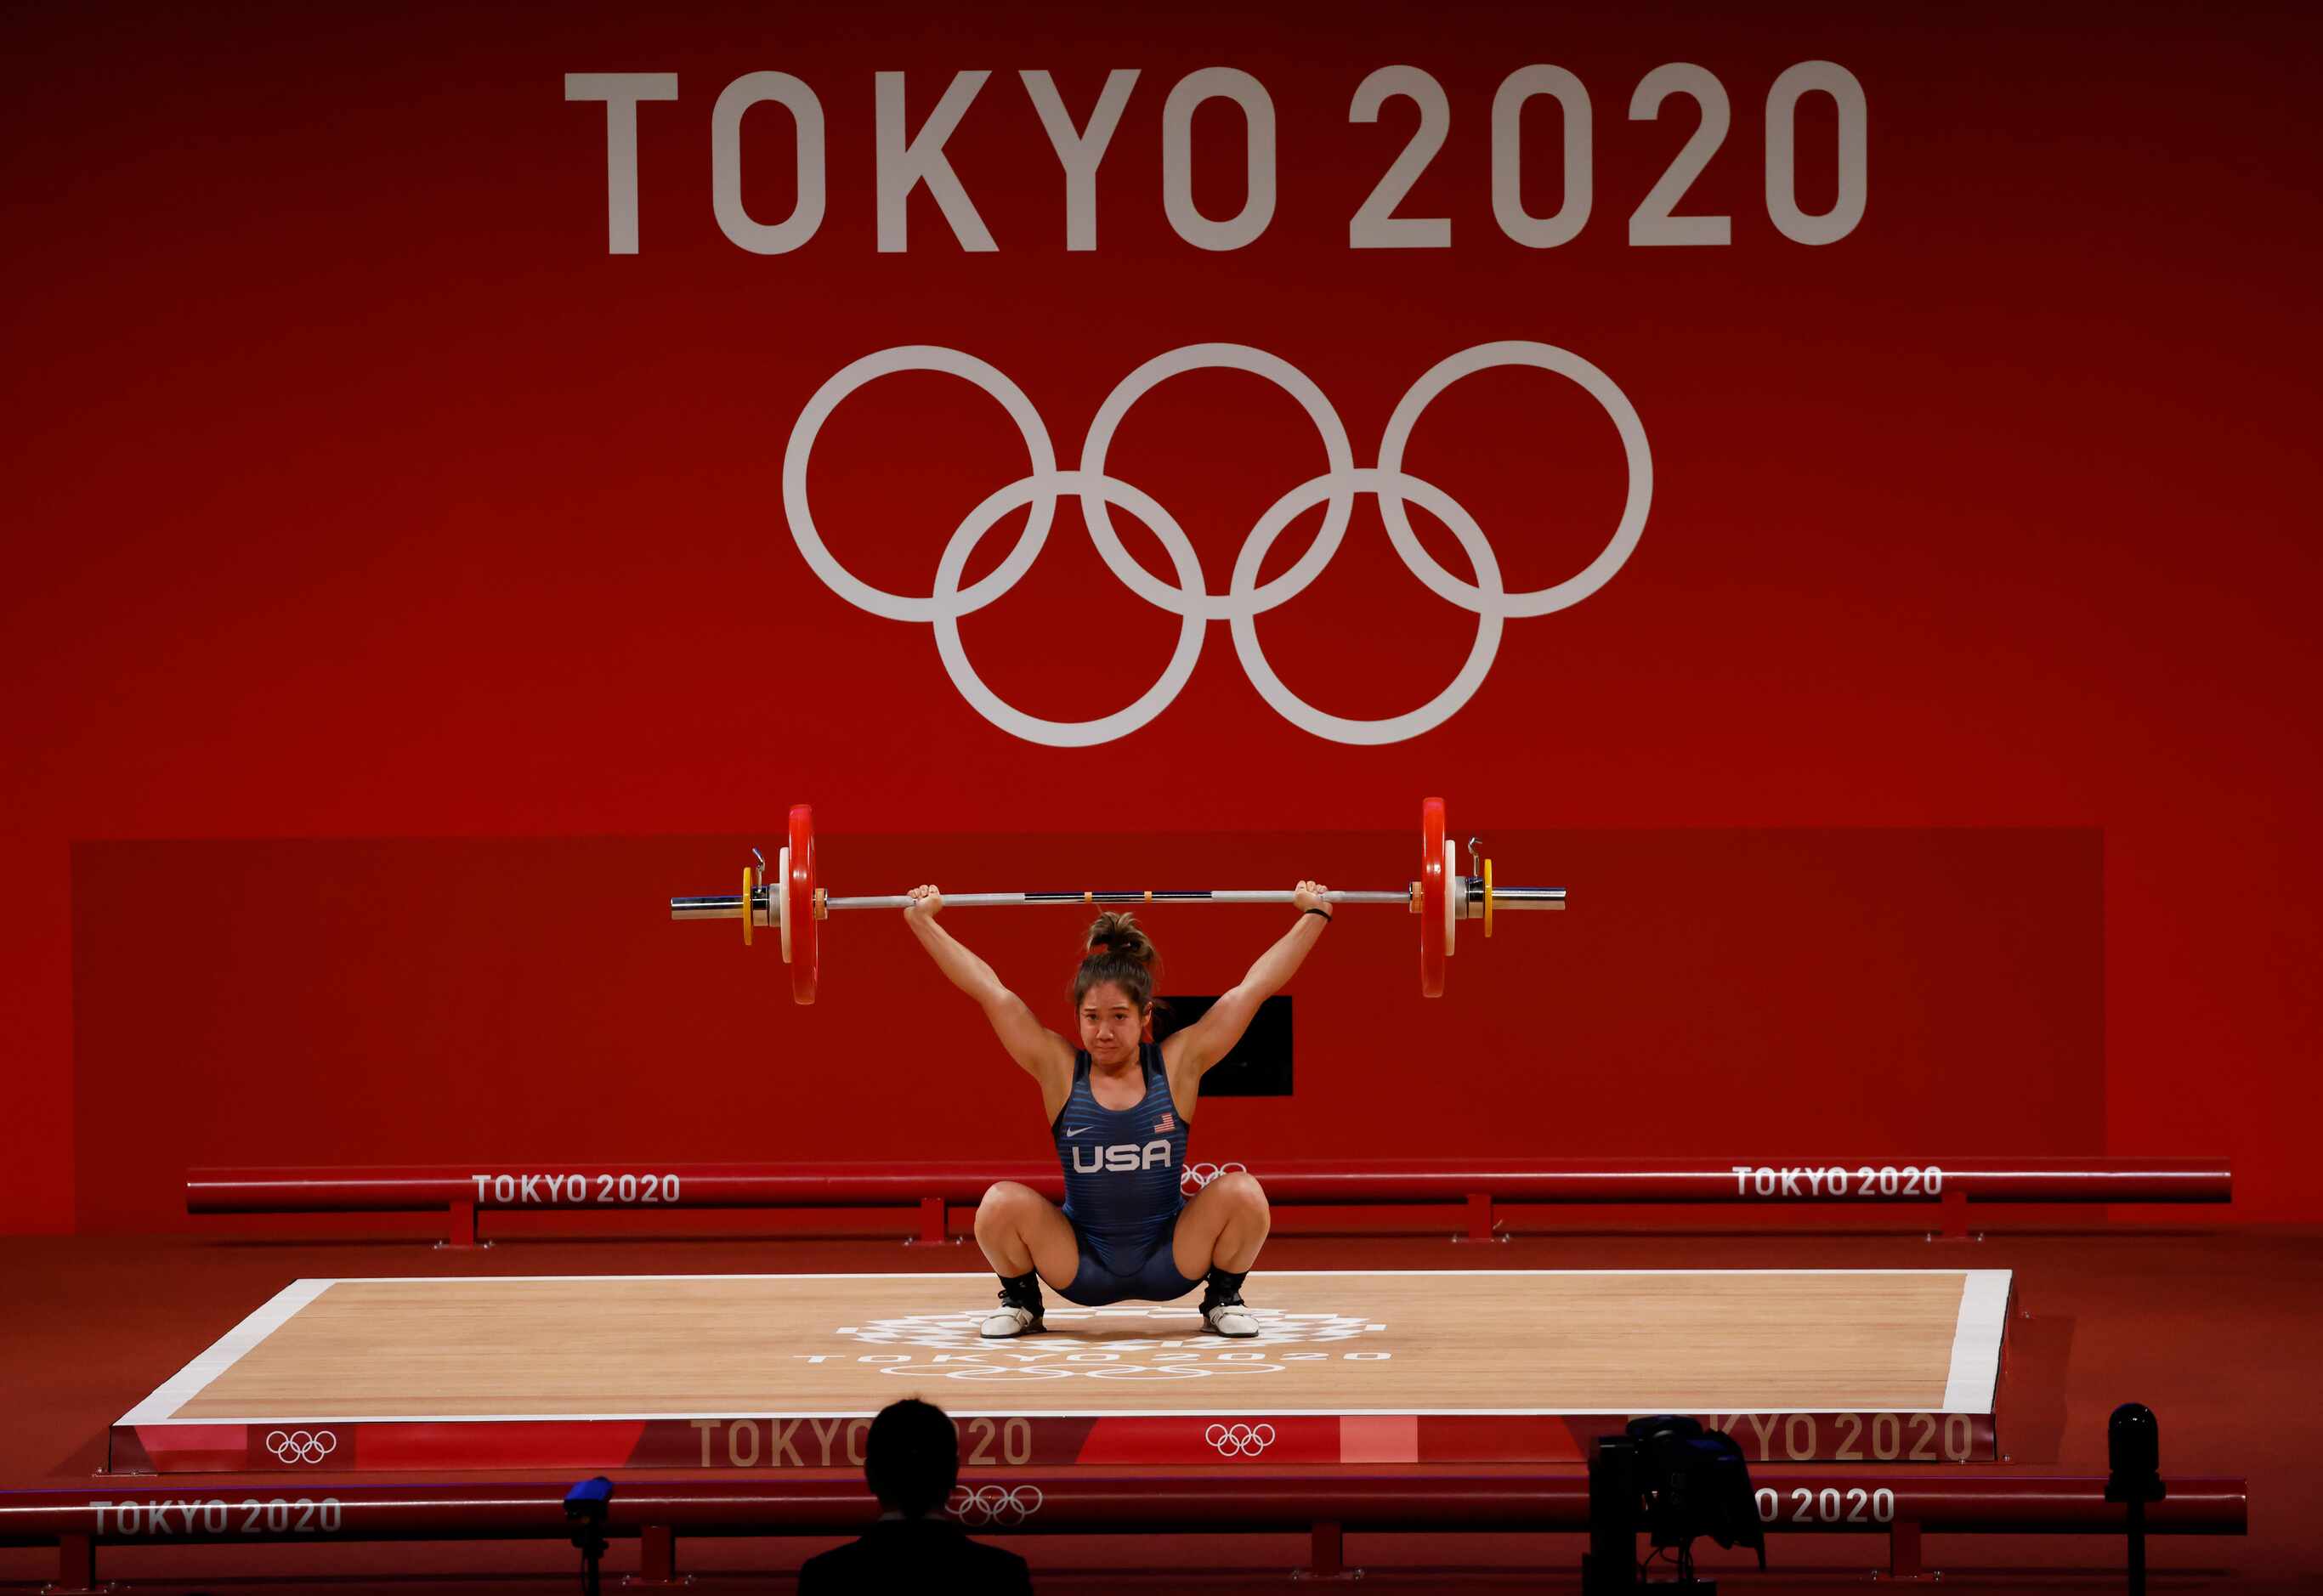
(1887, 994)
(358, 491)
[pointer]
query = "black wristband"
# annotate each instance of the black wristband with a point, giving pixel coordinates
(1324, 913)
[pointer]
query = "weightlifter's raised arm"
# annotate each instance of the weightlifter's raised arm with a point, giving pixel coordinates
(1044, 1055)
(1191, 1051)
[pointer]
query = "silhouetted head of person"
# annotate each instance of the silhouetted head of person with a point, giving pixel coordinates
(912, 1457)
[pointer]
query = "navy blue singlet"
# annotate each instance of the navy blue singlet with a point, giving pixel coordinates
(1122, 1170)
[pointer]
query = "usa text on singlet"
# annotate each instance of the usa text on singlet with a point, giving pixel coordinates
(1122, 1165)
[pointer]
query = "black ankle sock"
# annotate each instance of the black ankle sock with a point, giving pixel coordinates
(1221, 1285)
(1023, 1290)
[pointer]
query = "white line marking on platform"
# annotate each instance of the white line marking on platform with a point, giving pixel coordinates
(1969, 1389)
(1186, 1413)
(1270, 1274)
(222, 1353)
(1976, 1342)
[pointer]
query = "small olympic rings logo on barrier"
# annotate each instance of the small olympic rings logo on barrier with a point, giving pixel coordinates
(301, 1446)
(995, 1504)
(1240, 1440)
(1246, 599)
(1197, 1176)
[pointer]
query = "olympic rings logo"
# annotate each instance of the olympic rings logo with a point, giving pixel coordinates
(995, 1504)
(304, 1446)
(1245, 598)
(1197, 1176)
(1001, 1373)
(1240, 1440)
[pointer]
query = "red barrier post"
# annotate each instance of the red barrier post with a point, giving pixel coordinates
(935, 1224)
(1952, 1211)
(76, 1568)
(1326, 1558)
(1904, 1551)
(460, 1230)
(657, 1561)
(1482, 1227)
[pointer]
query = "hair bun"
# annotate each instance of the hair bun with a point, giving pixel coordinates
(1121, 936)
(1119, 951)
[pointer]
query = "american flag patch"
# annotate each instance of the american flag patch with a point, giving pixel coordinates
(1165, 1124)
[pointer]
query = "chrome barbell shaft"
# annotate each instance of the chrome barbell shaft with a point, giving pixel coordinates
(730, 905)
(1004, 899)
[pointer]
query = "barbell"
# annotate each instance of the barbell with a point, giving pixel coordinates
(789, 899)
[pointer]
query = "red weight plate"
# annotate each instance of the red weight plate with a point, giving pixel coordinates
(807, 933)
(1431, 898)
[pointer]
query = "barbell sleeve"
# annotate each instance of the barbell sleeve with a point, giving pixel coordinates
(1505, 898)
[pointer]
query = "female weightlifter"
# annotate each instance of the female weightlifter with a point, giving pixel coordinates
(1120, 1108)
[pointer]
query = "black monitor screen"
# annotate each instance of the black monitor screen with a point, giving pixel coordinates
(1259, 1066)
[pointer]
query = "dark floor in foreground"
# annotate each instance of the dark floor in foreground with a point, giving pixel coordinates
(2215, 1330)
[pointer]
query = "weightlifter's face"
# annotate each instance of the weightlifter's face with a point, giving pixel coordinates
(1111, 1027)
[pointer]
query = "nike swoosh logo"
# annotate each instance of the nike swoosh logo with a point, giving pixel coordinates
(1084, 1131)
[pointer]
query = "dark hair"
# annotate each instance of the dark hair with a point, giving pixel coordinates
(912, 1458)
(1120, 953)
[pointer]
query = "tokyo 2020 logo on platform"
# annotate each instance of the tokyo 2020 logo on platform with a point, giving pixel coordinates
(1245, 598)
(1172, 1349)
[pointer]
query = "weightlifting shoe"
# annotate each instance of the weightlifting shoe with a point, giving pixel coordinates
(1227, 1315)
(1013, 1318)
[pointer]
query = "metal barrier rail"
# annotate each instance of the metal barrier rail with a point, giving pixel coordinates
(1321, 1503)
(1951, 1184)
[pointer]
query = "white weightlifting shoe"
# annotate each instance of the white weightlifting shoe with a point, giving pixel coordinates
(1013, 1320)
(1228, 1316)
